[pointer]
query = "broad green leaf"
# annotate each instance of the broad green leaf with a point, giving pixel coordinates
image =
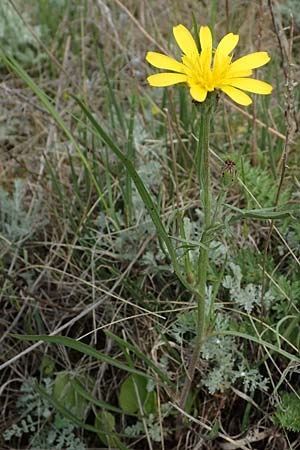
(68, 415)
(64, 411)
(105, 422)
(69, 398)
(134, 393)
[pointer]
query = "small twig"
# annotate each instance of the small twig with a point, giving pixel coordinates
(227, 15)
(83, 313)
(140, 27)
(16, 319)
(209, 428)
(291, 127)
(258, 47)
(169, 128)
(279, 38)
(259, 122)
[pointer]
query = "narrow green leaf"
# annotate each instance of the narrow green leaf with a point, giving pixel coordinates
(130, 156)
(196, 32)
(57, 187)
(119, 112)
(63, 411)
(85, 394)
(261, 213)
(82, 348)
(259, 341)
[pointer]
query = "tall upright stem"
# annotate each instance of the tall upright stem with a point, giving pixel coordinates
(203, 169)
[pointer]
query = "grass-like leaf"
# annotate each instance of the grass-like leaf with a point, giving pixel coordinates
(262, 213)
(82, 348)
(148, 202)
(63, 411)
(259, 341)
(68, 415)
(85, 394)
(46, 102)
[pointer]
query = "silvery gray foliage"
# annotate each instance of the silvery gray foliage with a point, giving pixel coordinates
(9, 128)
(193, 231)
(252, 379)
(151, 174)
(246, 297)
(17, 223)
(228, 363)
(218, 252)
(126, 243)
(30, 400)
(186, 323)
(290, 8)
(135, 430)
(185, 327)
(153, 426)
(15, 38)
(45, 427)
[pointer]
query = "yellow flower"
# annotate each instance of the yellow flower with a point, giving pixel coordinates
(203, 73)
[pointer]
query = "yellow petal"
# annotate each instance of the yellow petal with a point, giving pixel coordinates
(238, 96)
(185, 40)
(206, 48)
(233, 73)
(198, 93)
(205, 39)
(222, 59)
(251, 61)
(252, 85)
(164, 62)
(166, 79)
(227, 44)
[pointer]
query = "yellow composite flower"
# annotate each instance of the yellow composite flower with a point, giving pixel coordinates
(206, 71)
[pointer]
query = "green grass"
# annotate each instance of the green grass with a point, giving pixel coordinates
(100, 233)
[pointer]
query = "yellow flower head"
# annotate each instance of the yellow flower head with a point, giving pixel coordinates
(203, 76)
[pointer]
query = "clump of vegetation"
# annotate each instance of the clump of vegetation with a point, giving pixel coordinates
(17, 223)
(17, 40)
(104, 235)
(287, 414)
(39, 423)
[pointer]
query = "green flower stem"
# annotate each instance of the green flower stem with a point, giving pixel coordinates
(203, 168)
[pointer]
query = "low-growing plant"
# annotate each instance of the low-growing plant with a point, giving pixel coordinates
(164, 234)
(17, 222)
(39, 422)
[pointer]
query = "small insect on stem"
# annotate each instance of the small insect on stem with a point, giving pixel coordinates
(229, 170)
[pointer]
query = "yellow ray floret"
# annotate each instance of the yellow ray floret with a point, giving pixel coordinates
(204, 71)
(185, 40)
